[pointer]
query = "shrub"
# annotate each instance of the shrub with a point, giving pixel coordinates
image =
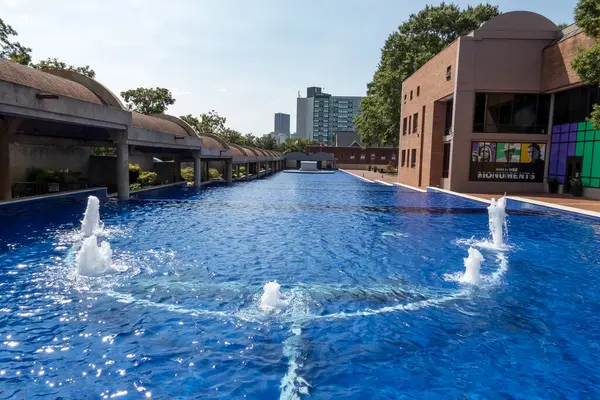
(135, 186)
(134, 172)
(213, 174)
(187, 173)
(147, 178)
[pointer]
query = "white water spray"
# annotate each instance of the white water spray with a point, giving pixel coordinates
(271, 298)
(472, 267)
(497, 221)
(94, 260)
(91, 223)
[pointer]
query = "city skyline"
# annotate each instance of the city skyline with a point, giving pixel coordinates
(208, 64)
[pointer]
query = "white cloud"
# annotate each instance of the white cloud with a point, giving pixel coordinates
(223, 90)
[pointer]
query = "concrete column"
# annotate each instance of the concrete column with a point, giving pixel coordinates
(8, 127)
(228, 170)
(122, 166)
(177, 167)
(197, 169)
(237, 170)
(247, 170)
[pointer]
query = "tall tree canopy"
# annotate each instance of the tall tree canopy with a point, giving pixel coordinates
(587, 62)
(414, 43)
(148, 100)
(54, 63)
(11, 50)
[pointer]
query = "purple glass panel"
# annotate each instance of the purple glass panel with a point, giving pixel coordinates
(556, 129)
(561, 180)
(554, 159)
(572, 137)
(562, 158)
(555, 138)
(573, 128)
(565, 128)
(571, 151)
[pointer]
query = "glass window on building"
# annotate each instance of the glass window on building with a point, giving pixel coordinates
(393, 156)
(446, 164)
(511, 113)
(403, 158)
(413, 158)
(372, 156)
(362, 156)
(383, 157)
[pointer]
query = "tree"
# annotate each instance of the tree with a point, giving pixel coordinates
(250, 140)
(148, 100)
(562, 26)
(291, 145)
(266, 142)
(13, 51)
(54, 63)
(587, 62)
(191, 121)
(232, 136)
(414, 43)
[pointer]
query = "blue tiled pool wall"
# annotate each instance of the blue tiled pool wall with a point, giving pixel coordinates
(576, 139)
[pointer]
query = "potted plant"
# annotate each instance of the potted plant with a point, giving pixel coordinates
(576, 186)
(552, 184)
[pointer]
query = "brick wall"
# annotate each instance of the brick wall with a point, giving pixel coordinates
(372, 155)
(433, 86)
(557, 72)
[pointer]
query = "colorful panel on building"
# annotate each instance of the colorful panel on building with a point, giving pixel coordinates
(507, 162)
(576, 145)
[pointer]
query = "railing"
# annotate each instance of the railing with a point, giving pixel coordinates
(26, 189)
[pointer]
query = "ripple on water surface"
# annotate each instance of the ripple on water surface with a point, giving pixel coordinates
(369, 307)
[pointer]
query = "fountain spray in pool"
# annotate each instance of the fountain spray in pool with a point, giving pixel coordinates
(472, 267)
(91, 219)
(497, 221)
(94, 260)
(271, 298)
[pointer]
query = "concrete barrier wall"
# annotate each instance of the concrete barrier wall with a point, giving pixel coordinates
(24, 156)
(145, 162)
(165, 171)
(102, 170)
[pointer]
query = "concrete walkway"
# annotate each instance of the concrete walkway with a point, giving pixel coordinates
(374, 176)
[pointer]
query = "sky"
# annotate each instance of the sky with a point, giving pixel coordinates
(245, 59)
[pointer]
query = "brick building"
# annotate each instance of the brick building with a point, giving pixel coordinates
(499, 110)
(357, 157)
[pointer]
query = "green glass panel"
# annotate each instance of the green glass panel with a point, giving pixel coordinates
(579, 149)
(589, 126)
(580, 136)
(596, 161)
(587, 158)
(589, 135)
(581, 126)
(585, 181)
(597, 135)
(595, 183)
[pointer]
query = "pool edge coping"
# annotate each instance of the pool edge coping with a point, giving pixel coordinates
(53, 196)
(573, 210)
(358, 176)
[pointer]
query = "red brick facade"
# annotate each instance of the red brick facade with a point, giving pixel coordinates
(358, 155)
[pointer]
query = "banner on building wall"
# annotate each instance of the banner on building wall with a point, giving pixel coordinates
(507, 162)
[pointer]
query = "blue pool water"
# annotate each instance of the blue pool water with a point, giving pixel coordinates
(364, 267)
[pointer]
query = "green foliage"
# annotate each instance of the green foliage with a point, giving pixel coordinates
(104, 151)
(147, 178)
(242, 171)
(10, 50)
(41, 175)
(414, 43)
(148, 100)
(562, 26)
(291, 145)
(54, 63)
(587, 62)
(134, 172)
(135, 186)
(587, 65)
(587, 17)
(266, 142)
(213, 174)
(191, 121)
(187, 174)
(250, 140)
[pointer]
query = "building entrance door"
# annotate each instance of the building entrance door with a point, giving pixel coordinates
(573, 169)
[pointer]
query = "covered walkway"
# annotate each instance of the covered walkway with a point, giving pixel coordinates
(68, 110)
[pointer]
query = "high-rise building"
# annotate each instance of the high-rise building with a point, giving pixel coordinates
(282, 123)
(320, 116)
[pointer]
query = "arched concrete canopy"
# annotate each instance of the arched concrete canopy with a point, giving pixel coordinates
(211, 141)
(26, 76)
(251, 151)
(260, 152)
(189, 130)
(519, 21)
(100, 90)
(237, 151)
(156, 124)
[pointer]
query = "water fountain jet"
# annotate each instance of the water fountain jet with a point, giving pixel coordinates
(91, 223)
(497, 221)
(94, 260)
(271, 298)
(472, 267)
